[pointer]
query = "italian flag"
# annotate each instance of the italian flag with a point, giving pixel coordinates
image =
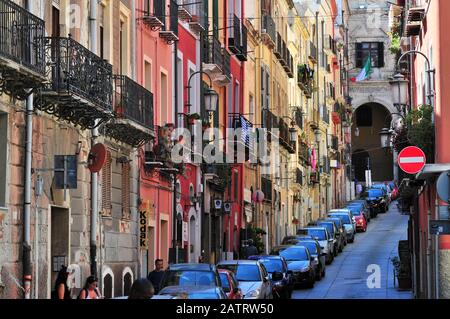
(365, 72)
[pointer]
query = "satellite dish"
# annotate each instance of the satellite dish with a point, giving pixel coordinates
(97, 157)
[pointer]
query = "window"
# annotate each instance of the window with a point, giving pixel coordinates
(373, 49)
(252, 109)
(102, 31)
(3, 157)
(148, 76)
(163, 101)
(55, 22)
(126, 212)
(236, 186)
(106, 186)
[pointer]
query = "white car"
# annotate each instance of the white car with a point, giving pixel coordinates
(254, 281)
(349, 222)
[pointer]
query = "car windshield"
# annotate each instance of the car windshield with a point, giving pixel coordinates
(189, 278)
(272, 265)
(356, 211)
(312, 246)
(244, 272)
(317, 233)
(203, 295)
(375, 193)
(344, 217)
(294, 254)
(328, 226)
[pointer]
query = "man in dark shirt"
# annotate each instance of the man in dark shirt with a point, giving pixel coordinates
(251, 249)
(156, 275)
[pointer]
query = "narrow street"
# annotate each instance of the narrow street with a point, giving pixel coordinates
(346, 277)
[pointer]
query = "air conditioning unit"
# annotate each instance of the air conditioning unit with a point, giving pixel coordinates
(227, 207)
(218, 204)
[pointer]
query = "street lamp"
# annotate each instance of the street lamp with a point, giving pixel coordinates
(318, 135)
(385, 137)
(399, 87)
(211, 100)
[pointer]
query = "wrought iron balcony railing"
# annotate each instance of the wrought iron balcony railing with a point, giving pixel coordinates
(133, 110)
(335, 143)
(234, 40)
(269, 31)
(242, 54)
(195, 10)
(226, 69)
(154, 14)
(80, 89)
(312, 52)
(213, 51)
(299, 177)
(22, 57)
(278, 51)
(169, 31)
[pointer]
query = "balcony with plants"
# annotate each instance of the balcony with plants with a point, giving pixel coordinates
(305, 79)
(133, 113)
(22, 55)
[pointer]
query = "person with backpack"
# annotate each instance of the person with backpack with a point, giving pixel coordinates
(90, 290)
(61, 290)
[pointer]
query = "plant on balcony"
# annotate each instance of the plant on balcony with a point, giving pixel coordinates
(395, 35)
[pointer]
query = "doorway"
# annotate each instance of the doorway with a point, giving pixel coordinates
(59, 239)
(164, 253)
(192, 240)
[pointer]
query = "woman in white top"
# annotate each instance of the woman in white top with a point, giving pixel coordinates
(90, 290)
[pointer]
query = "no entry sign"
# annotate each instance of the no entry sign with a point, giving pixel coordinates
(411, 160)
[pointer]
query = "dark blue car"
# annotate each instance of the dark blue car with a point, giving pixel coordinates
(276, 266)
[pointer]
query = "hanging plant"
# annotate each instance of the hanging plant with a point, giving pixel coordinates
(420, 130)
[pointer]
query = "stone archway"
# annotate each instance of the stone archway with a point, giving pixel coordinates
(368, 121)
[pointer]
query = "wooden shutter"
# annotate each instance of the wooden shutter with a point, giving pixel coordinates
(106, 186)
(359, 55)
(126, 213)
(380, 54)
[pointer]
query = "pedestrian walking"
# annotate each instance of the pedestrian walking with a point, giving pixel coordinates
(251, 249)
(61, 290)
(142, 289)
(156, 275)
(90, 290)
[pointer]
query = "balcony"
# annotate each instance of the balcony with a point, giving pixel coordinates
(325, 164)
(216, 61)
(289, 67)
(133, 122)
(336, 115)
(169, 31)
(266, 188)
(305, 77)
(312, 53)
(324, 114)
(155, 15)
(314, 178)
(239, 122)
(415, 15)
(285, 137)
(278, 51)
(22, 56)
(269, 32)
(303, 155)
(199, 18)
(334, 143)
(80, 87)
(299, 118)
(237, 41)
(220, 173)
(330, 45)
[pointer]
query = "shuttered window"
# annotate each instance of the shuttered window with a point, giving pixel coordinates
(126, 213)
(106, 186)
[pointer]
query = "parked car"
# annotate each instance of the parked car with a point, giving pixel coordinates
(281, 276)
(300, 262)
(394, 189)
(340, 225)
(324, 238)
(230, 284)
(348, 220)
(319, 256)
(252, 276)
(191, 292)
(292, 240)
(377, 199)
(360, 218)
(386, 191)
(191, 275)
(334, 232)
(362, 205)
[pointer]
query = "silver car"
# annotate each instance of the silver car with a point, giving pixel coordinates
(254, 281)
(324, 238)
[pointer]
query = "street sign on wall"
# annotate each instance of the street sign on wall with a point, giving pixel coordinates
(143, 226)
(411, 160)
(440, 227)
(443, 187)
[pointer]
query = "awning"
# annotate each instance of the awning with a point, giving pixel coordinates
(431, 170)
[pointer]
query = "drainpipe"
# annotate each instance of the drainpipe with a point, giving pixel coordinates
(175, 122)
(133, 41)
(27, 266)
(95, 134)
(429, 264)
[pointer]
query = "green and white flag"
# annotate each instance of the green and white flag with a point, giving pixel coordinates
(365, 72)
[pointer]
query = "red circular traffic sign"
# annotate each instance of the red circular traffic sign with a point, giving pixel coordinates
(411, 160)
